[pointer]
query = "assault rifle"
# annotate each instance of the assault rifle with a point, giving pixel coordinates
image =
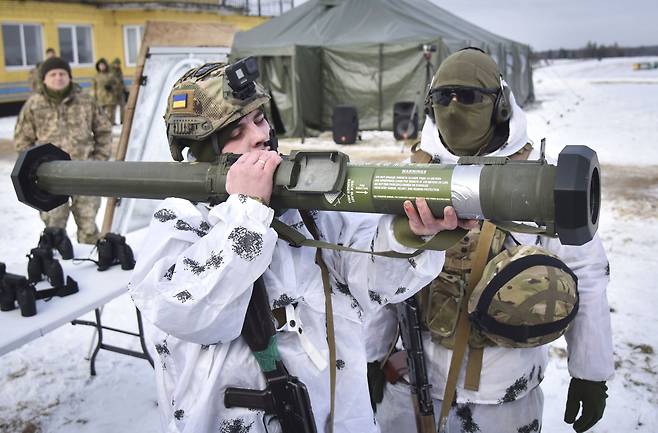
(285, 397)
(410, 332)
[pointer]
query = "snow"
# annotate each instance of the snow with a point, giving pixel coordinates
(605, 104)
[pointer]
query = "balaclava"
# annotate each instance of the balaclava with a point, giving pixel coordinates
(466, 129)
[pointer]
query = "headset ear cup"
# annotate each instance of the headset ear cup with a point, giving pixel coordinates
(502, 109)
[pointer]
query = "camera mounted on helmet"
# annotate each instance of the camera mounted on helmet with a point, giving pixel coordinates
(241, 76)
(208, 99)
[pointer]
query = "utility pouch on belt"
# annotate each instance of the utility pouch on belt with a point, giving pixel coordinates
(442, 300)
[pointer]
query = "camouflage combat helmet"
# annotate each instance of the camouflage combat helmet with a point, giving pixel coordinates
(201, 103)
(526, 297)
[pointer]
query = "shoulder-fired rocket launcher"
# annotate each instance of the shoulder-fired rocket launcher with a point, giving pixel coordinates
(563, 199)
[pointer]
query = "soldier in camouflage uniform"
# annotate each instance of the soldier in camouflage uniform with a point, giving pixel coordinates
(59, 113)
(33, 76)
(104, 89)
(474, 113)
(115, 69)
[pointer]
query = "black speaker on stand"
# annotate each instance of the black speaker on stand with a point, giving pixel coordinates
(405, 121)
(345, 124)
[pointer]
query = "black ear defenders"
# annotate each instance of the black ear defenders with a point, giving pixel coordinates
(502, 110)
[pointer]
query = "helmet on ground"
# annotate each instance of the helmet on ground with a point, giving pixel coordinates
(207, 102)
(526, 297)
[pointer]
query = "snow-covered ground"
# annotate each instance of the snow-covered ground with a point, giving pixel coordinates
(45, 385)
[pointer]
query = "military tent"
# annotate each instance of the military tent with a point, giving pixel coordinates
(366, 53)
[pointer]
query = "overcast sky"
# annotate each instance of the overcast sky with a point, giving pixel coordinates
(549, 24)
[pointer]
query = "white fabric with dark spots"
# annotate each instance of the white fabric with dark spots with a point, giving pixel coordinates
(193, 283)
(510, 374)
(523, 415)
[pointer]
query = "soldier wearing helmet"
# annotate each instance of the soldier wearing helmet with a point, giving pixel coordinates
(195, 275)
(557, 290)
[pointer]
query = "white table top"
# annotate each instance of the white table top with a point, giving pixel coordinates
(95, 289)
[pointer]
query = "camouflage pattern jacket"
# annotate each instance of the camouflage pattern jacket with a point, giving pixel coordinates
(76, 125)
(104, 88)
(120, 88)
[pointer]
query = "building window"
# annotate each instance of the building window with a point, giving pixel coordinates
(132, 42)
(75, 45)
(23, 44)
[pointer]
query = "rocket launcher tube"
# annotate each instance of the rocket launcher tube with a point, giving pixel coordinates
(563, 198)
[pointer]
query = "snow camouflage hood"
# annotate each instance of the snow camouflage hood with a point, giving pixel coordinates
(518, 137)
(526, 297)
(201, 102)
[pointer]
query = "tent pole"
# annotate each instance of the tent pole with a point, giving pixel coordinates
(381, 96)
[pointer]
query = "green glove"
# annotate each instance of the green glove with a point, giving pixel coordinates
(592, 395)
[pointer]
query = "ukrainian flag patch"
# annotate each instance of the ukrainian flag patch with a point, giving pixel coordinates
(179, 101)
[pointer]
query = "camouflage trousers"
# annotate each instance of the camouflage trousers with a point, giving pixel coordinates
(110, 111)
(84, 209)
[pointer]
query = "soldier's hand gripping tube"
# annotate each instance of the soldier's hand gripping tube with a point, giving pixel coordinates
(285, 397)
(563, 199)
(410, 332)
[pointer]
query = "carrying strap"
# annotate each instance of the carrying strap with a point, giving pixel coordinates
(439, 242)
(309, 222)
(514, 227)
(463, 325)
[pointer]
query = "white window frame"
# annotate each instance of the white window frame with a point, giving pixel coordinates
(74, 40)
(126, 57)
(25, 65)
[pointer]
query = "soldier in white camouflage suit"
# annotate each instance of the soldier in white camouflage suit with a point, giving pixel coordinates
(59, 113)
(474, 113)
(198, 265)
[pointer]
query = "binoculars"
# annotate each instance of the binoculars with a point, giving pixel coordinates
(56, 238)
(41, 262)
(113, 249)
(16, 288)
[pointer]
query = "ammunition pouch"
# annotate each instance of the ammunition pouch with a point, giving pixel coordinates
(441, 301)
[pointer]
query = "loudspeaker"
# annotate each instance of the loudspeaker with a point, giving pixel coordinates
(345, 124)
(405, 121)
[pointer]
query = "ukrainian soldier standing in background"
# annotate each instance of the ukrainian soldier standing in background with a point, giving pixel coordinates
(59, 113)
(115, 69)
(33, 77)
(104, 89)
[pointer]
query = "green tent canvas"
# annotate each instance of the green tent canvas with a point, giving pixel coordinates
(365, 53)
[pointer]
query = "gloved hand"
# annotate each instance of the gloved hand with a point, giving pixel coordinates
(592, 395)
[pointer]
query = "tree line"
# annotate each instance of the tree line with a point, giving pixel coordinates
(596, 51)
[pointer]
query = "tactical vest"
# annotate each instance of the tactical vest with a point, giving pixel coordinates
(442, 299)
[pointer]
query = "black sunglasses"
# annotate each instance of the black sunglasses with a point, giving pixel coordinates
(463, 95)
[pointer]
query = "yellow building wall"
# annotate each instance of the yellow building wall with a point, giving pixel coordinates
(107, 28)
